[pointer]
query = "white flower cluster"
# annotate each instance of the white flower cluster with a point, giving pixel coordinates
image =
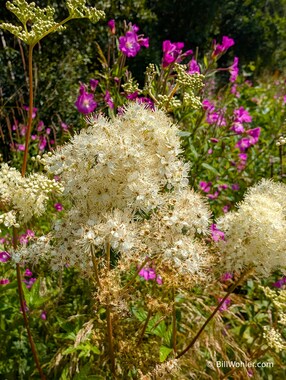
(21, 198)
(273, 338)
(255, 233)
(128, 188)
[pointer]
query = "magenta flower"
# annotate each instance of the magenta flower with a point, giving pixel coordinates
(85, 102)
(131, 43)
(58, 206)
(34, 113)
(64, 126)
(28, 273)
(42, 142)
(242, 115)
(4, 256)
(226, 276)
(207, 105)
(43, 315)
(24, 238)
(235, 187)
(216, 233)
(30, 282)
(4, 281)
(193, 67)
(213, 140)
(254, 135)
(148, 103)
(226, 208)
(111, 26)
(149, 273)
(108, 99)
(280, 283)
(214, 195)
(225, 304)
(237, 127)
(132, 96)
(233, 70)
(205, 186)
(93, 84)
(172, 52)
(243, 144)
(20, 147)
(223, 186)
(223, 47)
(215, 118)
(40, 126)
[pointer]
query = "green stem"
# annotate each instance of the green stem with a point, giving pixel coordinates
(174, 322)
(109, 319)
(231, 289)
(23, 309)
(144, 327)
(31, 100)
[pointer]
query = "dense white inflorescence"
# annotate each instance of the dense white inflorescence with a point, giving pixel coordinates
(127, 188)
(21, 198)
(255, 233)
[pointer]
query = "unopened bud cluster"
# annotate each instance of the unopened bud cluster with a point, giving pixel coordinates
(38, 22)
(281, 141)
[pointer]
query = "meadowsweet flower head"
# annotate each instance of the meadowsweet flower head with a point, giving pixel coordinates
(117, 172)
(255, 233)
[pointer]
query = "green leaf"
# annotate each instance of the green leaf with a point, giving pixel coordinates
(211, 168)
(164, 353)
(140, 314)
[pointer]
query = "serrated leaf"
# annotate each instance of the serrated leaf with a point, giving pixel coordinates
(140, 314)
(164, 353)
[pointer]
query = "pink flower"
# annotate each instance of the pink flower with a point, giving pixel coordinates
(243, 144)
(30, 282)
(24, 238)
(93, 84)
(226, 208)
(233, 69)
(149, 273)
(280, 283)
(216, 118)
(64, 126)
(216, 233)
(223, 47)
(43, 315)
(214, 195)
(226, 276)
(242, 115)
(58, 206)
(147, 102)
(85, 102)
(193, 67)
(205, 186)
(213, 140)
(131, 43)
(172, 52)
(235, 187)
(111, 25)
(42, 142)
(108, 99)
(4, 256)
(28, 273)
(40, 126)
(207, 105)
(132, 96)
(225, 304)
(20, 147)
(237, 127)
(34, 113)
(4, 281)
(254, 135)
